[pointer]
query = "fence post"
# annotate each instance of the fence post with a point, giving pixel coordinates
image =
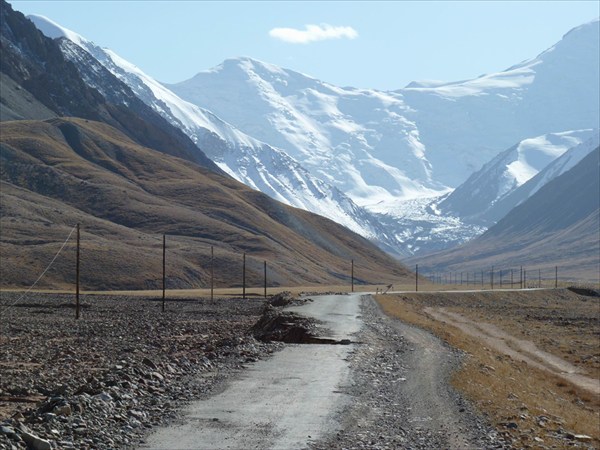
(164, 264)
(212, 272)
(521, 279)
(77, 276)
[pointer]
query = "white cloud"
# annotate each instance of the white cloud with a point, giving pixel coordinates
(313, 33)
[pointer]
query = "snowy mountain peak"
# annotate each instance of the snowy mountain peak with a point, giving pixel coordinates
(53, 30)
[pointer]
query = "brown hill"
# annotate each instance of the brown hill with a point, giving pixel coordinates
(557, 226)
(58, 172)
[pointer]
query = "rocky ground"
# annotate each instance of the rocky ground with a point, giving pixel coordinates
(105, 380)
(394, 405)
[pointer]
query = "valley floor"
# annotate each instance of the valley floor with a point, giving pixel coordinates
(126, 369)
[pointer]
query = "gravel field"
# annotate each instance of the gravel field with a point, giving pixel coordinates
(105, 380)
(124, 368)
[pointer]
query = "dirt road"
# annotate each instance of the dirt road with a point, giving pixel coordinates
(390, 388)
(518, 349)
(286, 401)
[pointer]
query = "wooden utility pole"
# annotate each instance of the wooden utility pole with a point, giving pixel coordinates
(212, 272)
(521, 280)
(352, 274)
(164, 271)
(77, 276)
(244, 277)
(265, 279)
(417, 278)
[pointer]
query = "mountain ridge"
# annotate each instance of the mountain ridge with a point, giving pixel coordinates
(246, 159)
(65, 170)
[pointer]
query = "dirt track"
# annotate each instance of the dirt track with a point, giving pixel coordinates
(532, 360)
(518, 349)
(401, 393)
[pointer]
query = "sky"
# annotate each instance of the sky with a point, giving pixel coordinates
(380, 45)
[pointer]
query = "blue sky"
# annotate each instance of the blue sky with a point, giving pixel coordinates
(382, 45)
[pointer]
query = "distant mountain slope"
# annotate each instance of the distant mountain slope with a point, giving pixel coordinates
(62, 171)
(490, 193)
(37, 64)
(16, 103)
(559, 225)
(465, 124)
(561, 203)
(560, 165)
(248, 160)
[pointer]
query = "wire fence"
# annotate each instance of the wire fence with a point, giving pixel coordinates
(493, 278)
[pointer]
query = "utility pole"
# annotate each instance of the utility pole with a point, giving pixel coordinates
(77, 276)
(417, 278)
(265, 266)
(164, 266)
(212, 272)
(244, 278)
(352, 275)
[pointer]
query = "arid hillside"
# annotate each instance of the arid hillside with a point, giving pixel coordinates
(60, 172)
(557, 226)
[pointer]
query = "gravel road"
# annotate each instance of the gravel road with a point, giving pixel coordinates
(114, 378)
(401, 393)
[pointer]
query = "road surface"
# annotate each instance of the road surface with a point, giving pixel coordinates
(287, 401)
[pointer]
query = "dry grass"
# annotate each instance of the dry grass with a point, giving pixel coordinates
(509, 391)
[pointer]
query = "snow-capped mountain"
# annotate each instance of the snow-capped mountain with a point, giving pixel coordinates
(391, 156)
(465, 124)
(360, 140)
(478, 198)
(556, 168)
(254, 163)
(381, 146)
